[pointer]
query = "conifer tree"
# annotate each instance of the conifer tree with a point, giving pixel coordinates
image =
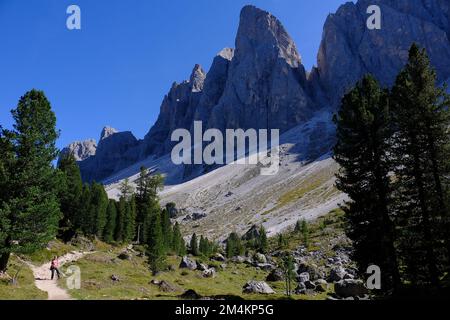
(155, 244)
(289, 272)
(262, 240)
(29, 210)
(98, 207)
(420, 150)
(85, 220)
(178, 244)
(70, 193)
(234, 246)
(130, 220)
(111, 218)
(363, 136)
(194, 245)
(166, 229)
(120, 222)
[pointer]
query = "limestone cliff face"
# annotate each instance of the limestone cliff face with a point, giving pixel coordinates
(115, 151)
(266, 84)
(81, 150)
(349, 49)
(262, 82)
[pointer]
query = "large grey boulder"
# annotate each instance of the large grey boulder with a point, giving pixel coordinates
(275, 275)
(187, 263)
(337, 274)
(257, 287)
(350, 288)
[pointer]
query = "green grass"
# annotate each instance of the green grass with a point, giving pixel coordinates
(96, 283)
(25, 288)
(320, 230)
(54, 248)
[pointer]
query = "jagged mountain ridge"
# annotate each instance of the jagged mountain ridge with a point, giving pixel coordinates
(262, 81)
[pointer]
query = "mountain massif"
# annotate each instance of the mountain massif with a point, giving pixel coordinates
(262, 83)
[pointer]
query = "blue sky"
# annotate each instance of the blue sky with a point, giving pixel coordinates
(116, 70)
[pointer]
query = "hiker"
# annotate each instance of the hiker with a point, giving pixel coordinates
(54, 267)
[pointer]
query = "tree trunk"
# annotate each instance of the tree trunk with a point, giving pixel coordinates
(4, 258)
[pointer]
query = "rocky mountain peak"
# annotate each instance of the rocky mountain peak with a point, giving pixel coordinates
(226, 53)
(260, 29)
(197, 78)
(81, 150)
(107, 132)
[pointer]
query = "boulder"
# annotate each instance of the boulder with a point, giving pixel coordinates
(201, 266)
(190, 295)
(310, 285)
(218, 257)
(259, 257)
(115, 278)
(209, 273)
(275, 275)
(257, 287)
(301, 288)
(164, 286)
(336, 274)
(187, 263)
(125, 255)
(303, 277)
(350, 288)
(265, 266)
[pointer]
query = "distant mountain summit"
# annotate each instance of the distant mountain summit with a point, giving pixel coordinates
(262, 83)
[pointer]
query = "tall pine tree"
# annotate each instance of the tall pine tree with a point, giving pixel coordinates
(420, 151)
(111, 218)
(70, 193)
(363, 133)
(29, 211)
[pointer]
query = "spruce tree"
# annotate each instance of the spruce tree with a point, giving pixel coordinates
(119, 234)
(288, 268)
(126, 189)
(178, 244)
(98, 207)
(70, 193)
(29, 210)
(85, 220)
(420, 150)
(155, 244)
(166, 229)
(262, 240)
(194, 245)
(111, 218)
(234, 246)
(130, 220)
(363, 136)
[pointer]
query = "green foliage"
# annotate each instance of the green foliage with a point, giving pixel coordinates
(288, 268)
(166, 227)
(420, 152)
(234, 246)
(155, 244)
(206, 248)
(29, 208)
(111, 218)
(120, 222)
(193, 245)
(178, 244)
(393, 150)
(70, 193)
(129, 220)
(98, 206)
